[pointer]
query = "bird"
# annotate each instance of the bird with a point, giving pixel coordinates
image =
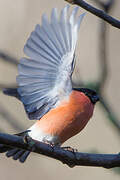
(45, 84)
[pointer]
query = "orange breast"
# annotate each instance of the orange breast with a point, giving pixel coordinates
(69, 118)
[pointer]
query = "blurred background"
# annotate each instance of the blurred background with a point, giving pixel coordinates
(98, 66)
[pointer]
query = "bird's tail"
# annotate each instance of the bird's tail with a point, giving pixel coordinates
(15, 153)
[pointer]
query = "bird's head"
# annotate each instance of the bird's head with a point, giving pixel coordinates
(91, 94)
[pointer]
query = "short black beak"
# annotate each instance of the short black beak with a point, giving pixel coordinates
(95, 98)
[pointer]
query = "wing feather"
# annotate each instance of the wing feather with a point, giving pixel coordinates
(28, 80)
(64, 27)
(43, 45)
(35, 64)
(44, 78)
(49, 31)
(46, 39)
(57, 30)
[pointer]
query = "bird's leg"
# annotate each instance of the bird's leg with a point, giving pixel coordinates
(28, 140)
(48, 142)
(72, 150)
(68, 148)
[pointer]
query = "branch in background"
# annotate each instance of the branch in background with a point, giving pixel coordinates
(4, 86)
(8, 58)
(105, 5)
(103, 54)
(3, 112)
(104, 64)
(10, 119)
(66, 157)
(112, 117)
(101, 14)
(99, 85)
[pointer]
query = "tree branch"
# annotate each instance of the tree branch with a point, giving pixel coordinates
(100, 13)
(66, 157)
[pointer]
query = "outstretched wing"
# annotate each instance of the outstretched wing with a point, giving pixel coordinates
(45, 77)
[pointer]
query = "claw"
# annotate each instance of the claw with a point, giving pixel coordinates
(28, 140)
(68, 148)
(49, 143)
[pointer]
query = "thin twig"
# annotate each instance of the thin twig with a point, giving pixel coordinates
(103, 55)
(99, 13)
(3, 86)
(104, 65)
(103, 34)
(99, 85)
(112, 117)
(66, 157)
(105, 5)
(8, 58)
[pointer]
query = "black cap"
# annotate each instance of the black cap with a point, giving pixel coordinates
(92, 94)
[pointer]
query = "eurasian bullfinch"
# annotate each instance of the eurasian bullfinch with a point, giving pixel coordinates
(45, 83)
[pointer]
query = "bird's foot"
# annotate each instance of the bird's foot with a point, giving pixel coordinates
(31, 142)
(49, 143)
(68, 148)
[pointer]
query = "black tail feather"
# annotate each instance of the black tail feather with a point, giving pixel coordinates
(18, 154)
(4, 148)
(15, 153)
(12, 152)
(24, 156)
